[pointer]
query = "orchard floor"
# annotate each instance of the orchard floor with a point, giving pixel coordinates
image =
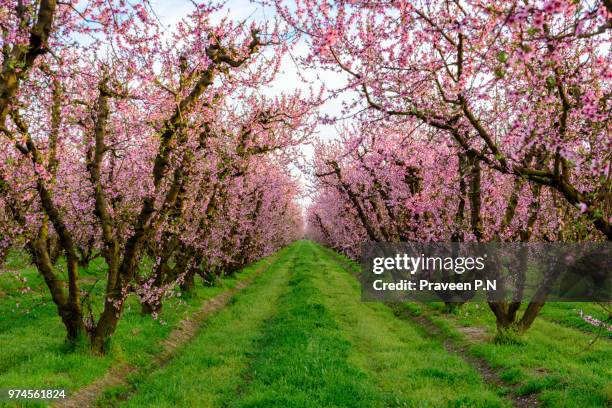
(300, 336)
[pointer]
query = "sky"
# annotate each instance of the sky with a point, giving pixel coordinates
(291, 76)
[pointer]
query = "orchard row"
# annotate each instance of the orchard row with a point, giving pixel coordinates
(471, 121)
(122, 140)
(464, 121)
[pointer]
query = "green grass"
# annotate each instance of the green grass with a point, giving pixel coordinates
(300, 336)
(558, 362)
(566, 361)
(208, 370)
(404, 363)
(557, 358)
(568, 314)
(304, 358)
(33, 353)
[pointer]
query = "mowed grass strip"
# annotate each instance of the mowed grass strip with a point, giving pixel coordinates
(560, 361)
(565, 366)
(411, 369)
(33, 353)
(209, 369)
(303, 360)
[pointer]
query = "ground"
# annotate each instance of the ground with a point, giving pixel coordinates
(292, 331)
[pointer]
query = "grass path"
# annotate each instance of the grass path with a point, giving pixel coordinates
(406, 364)
(301, 337)
(292, 331)
(303, 359)
(209, 368)
(556, 364)
(116, 378)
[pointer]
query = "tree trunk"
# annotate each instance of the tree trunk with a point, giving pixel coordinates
(73, 321)
(55, 249)
(161, 275)
(69, 308)
(106, 325)
(188, 284)
(532, 311)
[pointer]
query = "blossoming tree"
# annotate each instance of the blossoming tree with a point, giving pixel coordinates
(107, 125)
(520, 87)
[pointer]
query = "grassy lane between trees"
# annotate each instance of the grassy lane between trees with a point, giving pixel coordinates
(563, 366)
(301, 337)
(303, 359)
(561, 360)
(33, 354)
(411, 369)
(208, 370)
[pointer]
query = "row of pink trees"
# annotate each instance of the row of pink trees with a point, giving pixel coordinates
(375, 184)
(119, 139)
(523, 87)
(481, 121)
